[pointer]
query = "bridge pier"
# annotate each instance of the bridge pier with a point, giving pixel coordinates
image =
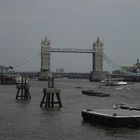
(96, 76)
(44, 75)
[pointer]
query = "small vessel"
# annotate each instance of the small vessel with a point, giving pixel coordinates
(118, 84)
(95, 93)
(121, 83)
(113, 82)
(78, 87)
(119, 116)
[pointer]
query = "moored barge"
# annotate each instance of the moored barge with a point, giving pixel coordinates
(120, 117)
(95, 93)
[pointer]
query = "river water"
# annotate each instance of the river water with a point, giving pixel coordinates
(25, 120)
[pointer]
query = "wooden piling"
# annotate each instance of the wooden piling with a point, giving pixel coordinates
(23, 90)
(48, 99)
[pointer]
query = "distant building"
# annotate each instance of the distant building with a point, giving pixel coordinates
(4, 69)
(5, 76)
(7, 79)
(59, 70)
(131, 68)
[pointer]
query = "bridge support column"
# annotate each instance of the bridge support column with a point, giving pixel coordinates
(96, 76)
(45, 59)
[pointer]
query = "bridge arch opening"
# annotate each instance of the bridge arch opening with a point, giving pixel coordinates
(71, 62)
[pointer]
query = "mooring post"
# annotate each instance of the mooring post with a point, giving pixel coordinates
(49, 93)
(23, 89)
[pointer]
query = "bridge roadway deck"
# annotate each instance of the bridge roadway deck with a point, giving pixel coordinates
(72, 50)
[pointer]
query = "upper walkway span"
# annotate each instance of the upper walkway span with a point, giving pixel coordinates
(71, 50)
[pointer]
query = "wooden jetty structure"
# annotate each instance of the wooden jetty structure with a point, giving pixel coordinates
(23, 90)
(123, 116)
(48, 99)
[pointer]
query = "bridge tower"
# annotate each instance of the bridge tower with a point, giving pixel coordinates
(97, 66)
(45, 59)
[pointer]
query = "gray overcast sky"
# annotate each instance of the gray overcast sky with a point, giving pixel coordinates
(69, 24)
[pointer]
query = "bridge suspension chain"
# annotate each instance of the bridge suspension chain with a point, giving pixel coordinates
(116, 66)
(111, 63)
(27, 62)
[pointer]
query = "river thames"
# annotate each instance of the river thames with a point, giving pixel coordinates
(25, 120)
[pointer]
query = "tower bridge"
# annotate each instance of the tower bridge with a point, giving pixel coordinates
(97, 58)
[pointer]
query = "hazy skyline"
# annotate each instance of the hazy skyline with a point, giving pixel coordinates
(69, 24)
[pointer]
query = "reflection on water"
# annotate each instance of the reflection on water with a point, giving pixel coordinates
(27, 121)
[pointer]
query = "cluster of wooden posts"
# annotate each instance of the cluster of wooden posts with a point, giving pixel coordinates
(49, 93)
(23, 90)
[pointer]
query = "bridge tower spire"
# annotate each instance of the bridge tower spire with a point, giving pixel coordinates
(98, 56)
(97, 65)
(45, 59)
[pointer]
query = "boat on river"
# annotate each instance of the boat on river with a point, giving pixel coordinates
(95, 93)
(115, 83)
